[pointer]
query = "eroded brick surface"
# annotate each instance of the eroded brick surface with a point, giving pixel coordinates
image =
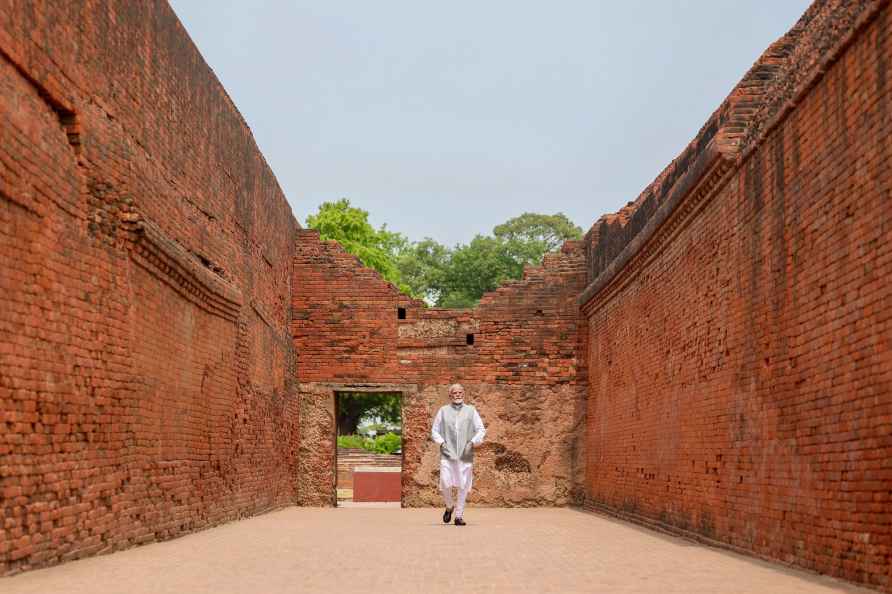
(739, 359)
(521, 371)
(146, 258)
(713, 358)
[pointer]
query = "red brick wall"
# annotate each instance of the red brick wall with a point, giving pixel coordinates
(344, 315)
(155, 290)
(346, 326)
(739, 352)
(145, 367)
(521, 372)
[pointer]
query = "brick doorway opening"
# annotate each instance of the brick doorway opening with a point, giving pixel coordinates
(369, 450)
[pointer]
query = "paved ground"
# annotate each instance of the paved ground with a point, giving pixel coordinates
(407, 551)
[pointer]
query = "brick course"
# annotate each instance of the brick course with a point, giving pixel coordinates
(145, 370)
(521, 371)
(739, 356)
(713, 359)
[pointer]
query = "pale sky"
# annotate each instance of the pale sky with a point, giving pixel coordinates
(444, 119)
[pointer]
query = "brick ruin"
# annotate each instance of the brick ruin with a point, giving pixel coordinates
(521, 371)
(714, 359)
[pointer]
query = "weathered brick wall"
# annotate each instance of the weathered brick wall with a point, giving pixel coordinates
(521, 372)
(145, 359)
(730, 372)
(739, 352)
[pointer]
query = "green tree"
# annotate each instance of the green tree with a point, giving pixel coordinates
(453, 278)
(422, 266)
(349, 226)
(482, 265)
(474, 269)
(354, 406)
(530, 236)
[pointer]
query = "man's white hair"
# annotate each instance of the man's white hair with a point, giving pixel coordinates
(455, 386)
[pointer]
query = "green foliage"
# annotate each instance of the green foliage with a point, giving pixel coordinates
(422, 265)
(474, 269)
(388, 443)
(353, 407)
(459, 277)
(379, 429)
(349, 226)
(530, 236)
(352, 441)
(452, 278)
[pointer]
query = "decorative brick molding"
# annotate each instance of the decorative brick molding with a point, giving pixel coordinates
(713, 359)
(737, 388)
(691, 193)
(170, 263)
(140, 232)
(762, 98)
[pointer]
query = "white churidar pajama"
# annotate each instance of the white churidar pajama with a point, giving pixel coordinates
(457, 473)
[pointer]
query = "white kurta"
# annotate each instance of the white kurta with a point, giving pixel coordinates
(457, 473)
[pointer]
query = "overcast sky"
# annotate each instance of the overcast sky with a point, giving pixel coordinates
(444, 119)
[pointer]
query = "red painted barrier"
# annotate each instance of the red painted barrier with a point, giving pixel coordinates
(376, 484)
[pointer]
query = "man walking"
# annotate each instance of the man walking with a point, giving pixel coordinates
(457, 429)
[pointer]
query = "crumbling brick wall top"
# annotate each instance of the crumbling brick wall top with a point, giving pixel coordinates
(346, 323)
(146, 253)
(737, 383)
(517, 353)
(764, 94)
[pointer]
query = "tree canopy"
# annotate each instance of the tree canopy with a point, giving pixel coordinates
(353, 407)
(446, 277)
(530, 236)
(349, 226)
(476, 268)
